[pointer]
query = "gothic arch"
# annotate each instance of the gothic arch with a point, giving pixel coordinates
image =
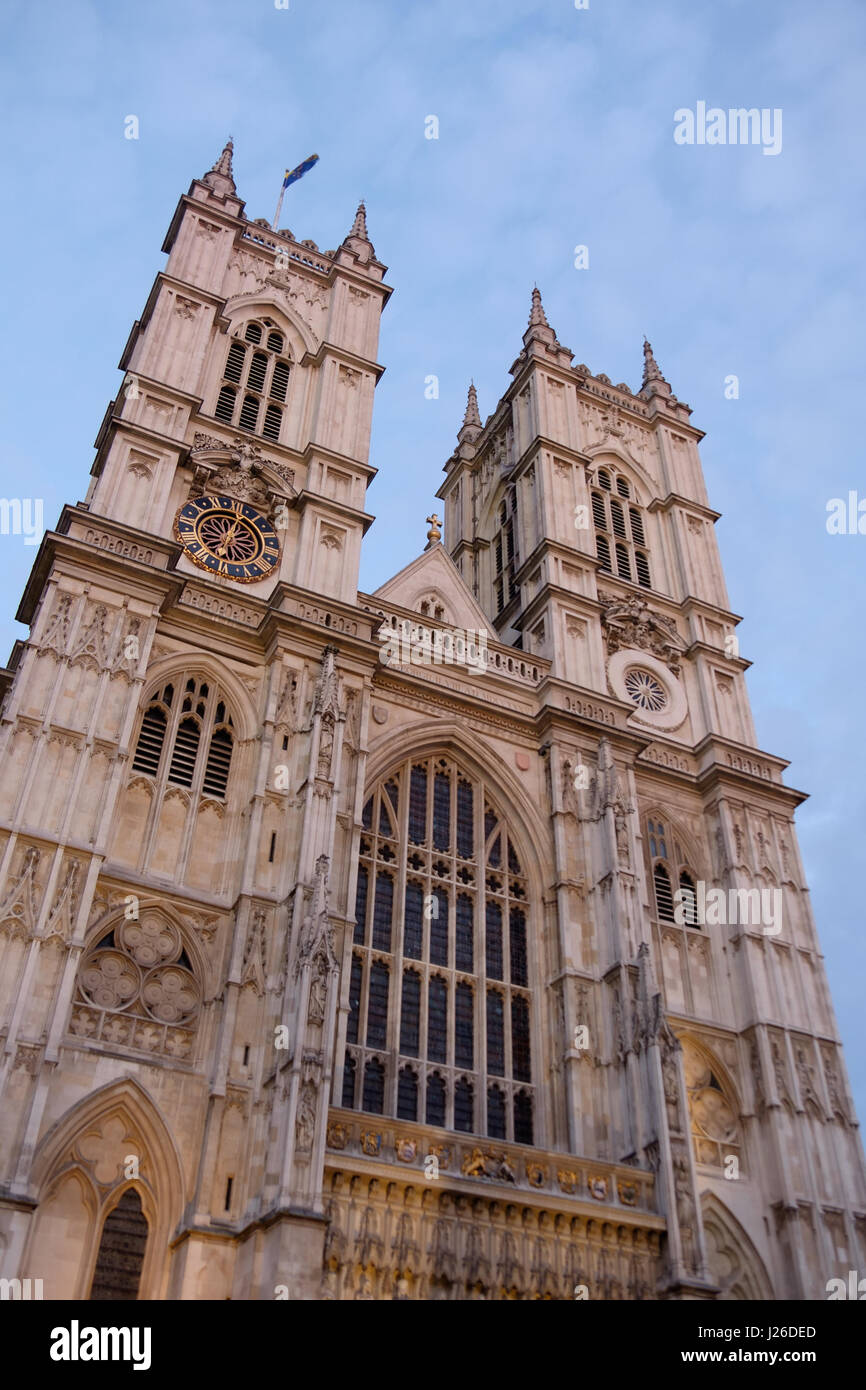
(693, 856)
(260, 302)
(204, 969)
(424, 738)
(735, 1264)
(200, 663)
(714, 1105)
(90, 1147)
(625, 462)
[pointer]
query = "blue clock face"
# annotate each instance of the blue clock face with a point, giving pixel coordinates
(228, 537)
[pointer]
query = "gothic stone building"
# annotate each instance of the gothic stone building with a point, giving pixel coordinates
(345, 955)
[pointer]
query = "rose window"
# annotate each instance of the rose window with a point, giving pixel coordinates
(645, 690)
(136, 988)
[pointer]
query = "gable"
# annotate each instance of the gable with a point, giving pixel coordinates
(433, 579)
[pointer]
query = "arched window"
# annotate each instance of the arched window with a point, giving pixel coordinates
(712, 1112)
(670, 872)
(257, 361)
(186, 741)
(439, 1002)
(619, 528)
(505, 558)
(121, 1250)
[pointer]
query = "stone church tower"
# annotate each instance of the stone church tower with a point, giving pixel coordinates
(446, 942)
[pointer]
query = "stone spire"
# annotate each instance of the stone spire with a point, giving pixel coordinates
(471, 427)
(653, 383)
(358, 239)
(539, 338)
(471, 416)
(220, 177)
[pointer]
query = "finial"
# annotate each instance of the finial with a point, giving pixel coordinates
(359, 226)
(472, 417)
(222, 169)
(434, 534)
(537, 316)
(653, 383)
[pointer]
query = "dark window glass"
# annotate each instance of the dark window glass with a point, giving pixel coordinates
(636, 526)
(354, 1000)
(520, 1056)
(522, 1118)
(495, 1113)
(121, 1251)
(435, 1100)
(599, 515)
(253, 333)
(361, 906)
(464, 1051)
(418, 805)
(618, 518)
(413, 922)
(382, 909)
(622, 487)
(367, 815)
(463, 944)
(517, 942)
(410, 1013)
(623, 567)
(437, 1020)
(349, 1082)
(275, 342)
(493, 947)
(602, 550)
(643, 573)
(495, 1034)
(439, 927)
(407, 1094)
(604, 480)
(377, 1005)
(464, 1119)
(441, 811)
(464, 820)
(374, 1087)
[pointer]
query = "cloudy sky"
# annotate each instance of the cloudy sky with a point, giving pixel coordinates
(555, 130)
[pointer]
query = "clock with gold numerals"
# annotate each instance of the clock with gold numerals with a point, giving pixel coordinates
(228, 537)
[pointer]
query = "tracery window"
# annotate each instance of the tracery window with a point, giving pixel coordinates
(186, 737)
(439, 1026)
(670, 872)
(619, 530)
(712, 1112)
(136, 988)
(255, 380)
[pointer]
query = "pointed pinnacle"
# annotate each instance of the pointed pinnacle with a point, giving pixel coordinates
(651, 370)
(359, 226)
(537, 316)
(471, 416)
(224, 164)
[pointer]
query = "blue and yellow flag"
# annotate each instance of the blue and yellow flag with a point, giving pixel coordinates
(293, 174)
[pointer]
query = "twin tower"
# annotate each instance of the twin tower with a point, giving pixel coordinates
(329, 971)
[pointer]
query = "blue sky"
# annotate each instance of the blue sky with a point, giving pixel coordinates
(555, 129)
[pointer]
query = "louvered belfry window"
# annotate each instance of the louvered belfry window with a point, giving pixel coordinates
(670, 872)
(439, 1027)
(255, 382)
(620, 541)
(186, 738)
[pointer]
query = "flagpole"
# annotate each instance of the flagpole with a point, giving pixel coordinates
(276, 222)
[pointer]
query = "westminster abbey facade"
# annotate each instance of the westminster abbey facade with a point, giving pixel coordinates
(445, 942)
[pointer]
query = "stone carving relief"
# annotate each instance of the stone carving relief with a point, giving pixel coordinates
(629, 623)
